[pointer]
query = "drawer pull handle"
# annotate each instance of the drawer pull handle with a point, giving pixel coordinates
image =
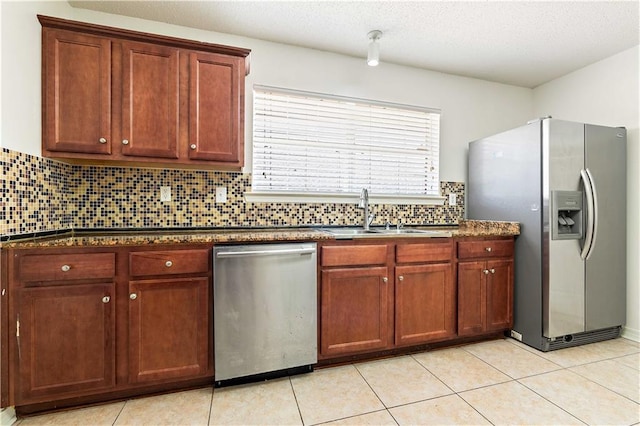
(488, 249)
(193, 146)
(168, 264)
(400, 278)
(493, 271)
(486, 272)
(106, 299)
(133, 296)
(385, 279)
(65, 268)
(102, 140)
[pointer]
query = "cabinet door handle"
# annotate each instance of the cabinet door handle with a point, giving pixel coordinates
(193, 146)
(488, 249)
(400, 278)
(125, 141)
(493, 271)
(133, 296)
(65, 268)
(102, 140)
(385, 279)
(106, 299)
(168, 264)
(486, 272)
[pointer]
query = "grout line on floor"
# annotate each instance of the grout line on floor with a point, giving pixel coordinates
(213, 389)
(119, 412)
(474, 408)
(600, 384)
(295, 397)
(370, 387)
(550, 401)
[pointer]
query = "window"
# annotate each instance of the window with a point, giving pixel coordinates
(312, 143)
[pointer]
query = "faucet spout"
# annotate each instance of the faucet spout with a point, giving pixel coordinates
(364, 204)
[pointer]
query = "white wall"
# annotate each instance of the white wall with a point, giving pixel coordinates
(607, 93)
(470, 108)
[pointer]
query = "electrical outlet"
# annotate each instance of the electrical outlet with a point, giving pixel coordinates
(453, 199)
(165, 193)
(221, 194)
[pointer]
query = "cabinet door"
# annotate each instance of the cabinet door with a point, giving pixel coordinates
(471, 298)
(354, 310)
(216, 93)
(150, 87)
(168, 329)
(65, 340)
(76, 92)
(499, 294)
(425, 303)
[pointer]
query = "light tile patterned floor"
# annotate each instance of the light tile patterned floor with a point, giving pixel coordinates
(497, 382)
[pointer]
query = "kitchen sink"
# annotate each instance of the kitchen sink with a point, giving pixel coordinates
(350, 233)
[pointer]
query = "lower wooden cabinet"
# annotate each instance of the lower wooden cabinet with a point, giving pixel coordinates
(354, 310)
(168, 329)
(377, 296)
(425, 301)
(65, 340)
(485, 288)
(94, 321)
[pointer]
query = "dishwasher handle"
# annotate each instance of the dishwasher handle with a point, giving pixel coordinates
(251, 253)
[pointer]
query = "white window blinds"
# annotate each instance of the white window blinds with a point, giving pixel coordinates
(305, 142)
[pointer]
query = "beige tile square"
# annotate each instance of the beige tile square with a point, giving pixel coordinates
(180, 408)
(632, 361)
(510, 359)
(98, 415)
(401, 380)
(447, 410)
(513, 404)
(267, 403)
(569, 357)
(614, 376)
(584, 399)
(614, 348)
(460, 370)
(332, 394)
(378, 418)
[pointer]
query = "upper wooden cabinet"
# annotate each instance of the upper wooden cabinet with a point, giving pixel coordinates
(150, 90)
(76, 93)
(125, 96)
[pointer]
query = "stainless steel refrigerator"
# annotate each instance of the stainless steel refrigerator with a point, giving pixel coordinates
(565, 183)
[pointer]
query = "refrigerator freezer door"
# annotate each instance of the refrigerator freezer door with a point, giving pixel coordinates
(504, 184)
(563, 282)
(606, 265)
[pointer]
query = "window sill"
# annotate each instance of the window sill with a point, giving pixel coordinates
(289, 197)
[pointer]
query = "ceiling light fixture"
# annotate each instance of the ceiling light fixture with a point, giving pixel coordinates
(373, 55)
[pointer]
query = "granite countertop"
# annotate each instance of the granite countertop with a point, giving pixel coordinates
(466, 228)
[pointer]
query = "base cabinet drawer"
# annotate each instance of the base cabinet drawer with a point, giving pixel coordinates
(65, 267)
(173, 262)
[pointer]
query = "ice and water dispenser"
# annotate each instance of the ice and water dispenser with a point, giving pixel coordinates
(566, 221)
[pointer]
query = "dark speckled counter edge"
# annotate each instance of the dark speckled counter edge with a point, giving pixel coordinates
(466, 228)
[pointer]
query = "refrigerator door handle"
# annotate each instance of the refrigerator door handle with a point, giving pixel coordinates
(591, 214)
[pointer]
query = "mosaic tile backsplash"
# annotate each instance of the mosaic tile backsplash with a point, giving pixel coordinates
(39, 194)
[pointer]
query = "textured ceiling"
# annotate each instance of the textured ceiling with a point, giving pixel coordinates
(524, 43)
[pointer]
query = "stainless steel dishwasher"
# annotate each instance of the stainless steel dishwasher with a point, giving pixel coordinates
(265, 310)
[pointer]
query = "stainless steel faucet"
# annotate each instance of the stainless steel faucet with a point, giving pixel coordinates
(364, 204)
